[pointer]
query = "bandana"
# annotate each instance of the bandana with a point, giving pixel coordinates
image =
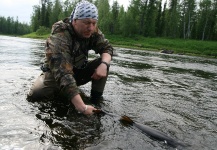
(84, 9)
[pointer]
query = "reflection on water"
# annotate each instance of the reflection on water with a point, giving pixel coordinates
(172, 93)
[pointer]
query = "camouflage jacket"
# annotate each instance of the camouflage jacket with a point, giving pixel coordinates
(65, 50)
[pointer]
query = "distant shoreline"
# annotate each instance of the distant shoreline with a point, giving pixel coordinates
(164, 45)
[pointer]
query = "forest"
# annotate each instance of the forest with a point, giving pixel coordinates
(9, 26)
(178, 19)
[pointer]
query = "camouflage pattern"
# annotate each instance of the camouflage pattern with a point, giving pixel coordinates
(64, 50)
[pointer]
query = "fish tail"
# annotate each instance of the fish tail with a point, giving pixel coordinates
(177, 143)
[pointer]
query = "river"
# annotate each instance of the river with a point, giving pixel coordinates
(175, 94)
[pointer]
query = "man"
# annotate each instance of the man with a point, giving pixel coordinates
(66, 64)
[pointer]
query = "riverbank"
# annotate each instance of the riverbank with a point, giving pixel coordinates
(166, 45)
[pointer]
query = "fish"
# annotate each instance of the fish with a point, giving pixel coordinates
(156, 134)
(153, 133)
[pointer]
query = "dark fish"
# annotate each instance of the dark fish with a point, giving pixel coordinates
(147, 130)
(153, 132)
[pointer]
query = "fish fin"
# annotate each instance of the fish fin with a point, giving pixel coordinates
(126, 119)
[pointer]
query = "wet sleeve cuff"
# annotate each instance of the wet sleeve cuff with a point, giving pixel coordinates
(68, 92)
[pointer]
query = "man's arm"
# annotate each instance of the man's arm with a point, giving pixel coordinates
(60, 66)
(100, 72)
(81, 107)
(102, 69)
(106, 57)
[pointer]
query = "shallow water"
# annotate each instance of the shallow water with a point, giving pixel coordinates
(175, 94)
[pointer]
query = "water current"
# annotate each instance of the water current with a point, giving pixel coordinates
(175, 94)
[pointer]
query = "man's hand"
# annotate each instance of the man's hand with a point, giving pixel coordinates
(100, 72)
(81, 107)
(90, 110)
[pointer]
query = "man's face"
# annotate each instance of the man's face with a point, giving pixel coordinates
(84, 27)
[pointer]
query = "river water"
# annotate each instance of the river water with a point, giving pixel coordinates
(174, 94)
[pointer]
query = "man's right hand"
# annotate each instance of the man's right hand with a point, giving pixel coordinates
(90, 110)
(81, 107)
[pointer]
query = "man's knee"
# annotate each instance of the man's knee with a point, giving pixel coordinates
(40, 91)
(39, 94)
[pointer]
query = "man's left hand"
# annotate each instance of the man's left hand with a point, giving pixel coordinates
(100, 72)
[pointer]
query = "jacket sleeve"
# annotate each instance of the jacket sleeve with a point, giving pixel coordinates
(59, 61)
(101, 44)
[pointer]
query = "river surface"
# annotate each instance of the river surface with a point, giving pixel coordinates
(174, 94)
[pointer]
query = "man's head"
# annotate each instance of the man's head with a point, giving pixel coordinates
(84, 18)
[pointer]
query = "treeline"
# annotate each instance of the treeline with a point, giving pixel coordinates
(13, 27)
(185, 19)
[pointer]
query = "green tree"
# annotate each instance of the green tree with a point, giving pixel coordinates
(128, 25)
(188, 15)
(16, 24)
(204, 15)
(55, 12)
(151, 18)
(158, 19)
(104, 16)
(173, 19)
(35, 17)
(66, 10)
(114, 16)
(138, 10)
(42, 14)
(11, 27)
(121, 18)
(47, 14)
(212, 32)
(162, 30)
